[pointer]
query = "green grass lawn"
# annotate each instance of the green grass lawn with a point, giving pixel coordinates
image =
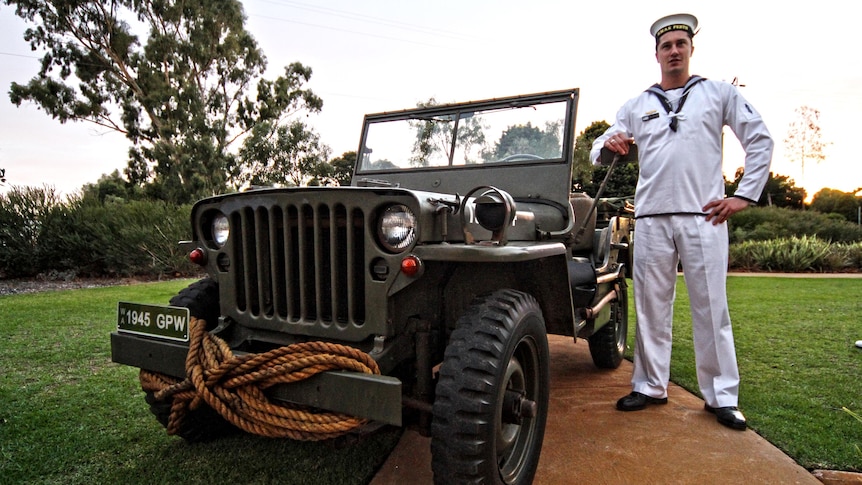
(797, 360)
(68, 415)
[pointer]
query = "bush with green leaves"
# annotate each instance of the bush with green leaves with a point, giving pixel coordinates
(42, 235)
(795, 254)
(22, 213)
(765, 223)
(118, 238)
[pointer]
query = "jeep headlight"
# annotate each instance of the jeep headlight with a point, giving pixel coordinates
(396, 229)
(220, 230)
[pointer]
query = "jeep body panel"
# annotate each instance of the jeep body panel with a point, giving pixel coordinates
(448, 204)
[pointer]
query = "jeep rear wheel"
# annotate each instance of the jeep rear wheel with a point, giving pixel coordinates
(204, 423)
(491, 400)
(608, 344)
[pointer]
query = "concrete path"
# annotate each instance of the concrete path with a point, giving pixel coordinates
(587, 441)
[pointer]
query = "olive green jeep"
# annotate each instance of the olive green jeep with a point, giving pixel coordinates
(423, 293)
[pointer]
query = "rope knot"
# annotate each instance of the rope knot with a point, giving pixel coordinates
(234, 385)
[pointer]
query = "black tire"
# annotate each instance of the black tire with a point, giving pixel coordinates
(500, 344)
(204, 423)
(202, 300)
(199, 426)
(608, 344)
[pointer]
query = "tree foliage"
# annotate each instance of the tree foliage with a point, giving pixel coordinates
(779, 191)
(528, 139)
(804, 139)
(340, 169)
(582, 166)
(622, 182)
(433, 142)
(181, 80)
(587, 177)
(831, 201)
(111, 188)
(280, 155)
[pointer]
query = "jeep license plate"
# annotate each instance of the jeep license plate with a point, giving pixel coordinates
(165, 322)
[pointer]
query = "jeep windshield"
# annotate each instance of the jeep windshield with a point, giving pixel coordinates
(524, 130)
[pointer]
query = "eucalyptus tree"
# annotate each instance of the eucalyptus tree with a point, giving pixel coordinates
(286, 155)
(182, 80)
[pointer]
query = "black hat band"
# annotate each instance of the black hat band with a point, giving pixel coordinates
(671, 27)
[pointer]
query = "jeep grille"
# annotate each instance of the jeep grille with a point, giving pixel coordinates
(300, 263)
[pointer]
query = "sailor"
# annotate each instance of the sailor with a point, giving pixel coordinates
(681, 211)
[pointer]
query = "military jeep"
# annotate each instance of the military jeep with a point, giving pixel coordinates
(457, 248)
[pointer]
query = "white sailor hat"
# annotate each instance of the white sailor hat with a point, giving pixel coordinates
(680, 21)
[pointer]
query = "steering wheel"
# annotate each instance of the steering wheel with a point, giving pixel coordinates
(521, 156)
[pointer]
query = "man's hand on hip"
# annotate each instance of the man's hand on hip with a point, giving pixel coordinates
(719, 211)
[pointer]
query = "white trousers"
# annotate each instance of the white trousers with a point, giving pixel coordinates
(661, 243)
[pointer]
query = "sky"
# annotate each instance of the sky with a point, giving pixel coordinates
(383, 55)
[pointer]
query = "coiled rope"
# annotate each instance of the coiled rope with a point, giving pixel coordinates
(233, 385)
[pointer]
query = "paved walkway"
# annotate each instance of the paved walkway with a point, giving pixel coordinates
(587, 441)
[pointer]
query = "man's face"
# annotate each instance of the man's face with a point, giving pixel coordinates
(673, 52)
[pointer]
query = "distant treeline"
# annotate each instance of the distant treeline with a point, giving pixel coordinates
(47, 236)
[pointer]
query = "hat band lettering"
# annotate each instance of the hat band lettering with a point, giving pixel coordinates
(671, 27)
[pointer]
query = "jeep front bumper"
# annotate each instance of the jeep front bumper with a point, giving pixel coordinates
(373, 397)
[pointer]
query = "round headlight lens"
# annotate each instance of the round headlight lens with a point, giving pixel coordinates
(220, 230)
(397, 228)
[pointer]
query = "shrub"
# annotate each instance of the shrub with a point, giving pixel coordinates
(795, 254)
(40, 234)
(23, 211)
(120, 238)
(764, 223)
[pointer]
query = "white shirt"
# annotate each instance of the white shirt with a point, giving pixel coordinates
(680, 171)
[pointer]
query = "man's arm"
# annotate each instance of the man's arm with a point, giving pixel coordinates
(755, 139)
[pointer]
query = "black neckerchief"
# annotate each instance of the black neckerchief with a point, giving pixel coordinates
(660, 94)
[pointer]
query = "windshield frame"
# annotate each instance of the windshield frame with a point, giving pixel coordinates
(455, 113)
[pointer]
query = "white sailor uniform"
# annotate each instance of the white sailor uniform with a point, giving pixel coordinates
(679, 150)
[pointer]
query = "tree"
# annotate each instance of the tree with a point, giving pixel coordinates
(434, 137)
(831, 201)
(587, 177)
(582, 166)
(183, 94)
(803, 140)
(280, 155)
(779, 191)
(528, 139)
(111, 188)
(622, 182)
(340, 169)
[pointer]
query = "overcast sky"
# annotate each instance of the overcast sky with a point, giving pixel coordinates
(378, 55)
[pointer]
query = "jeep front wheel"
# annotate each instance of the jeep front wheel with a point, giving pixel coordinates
(203, 423)
(491, 400)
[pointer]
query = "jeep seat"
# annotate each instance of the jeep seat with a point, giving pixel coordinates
(581, 205)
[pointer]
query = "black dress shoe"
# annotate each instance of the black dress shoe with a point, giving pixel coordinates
(637, 401)
(729, 416)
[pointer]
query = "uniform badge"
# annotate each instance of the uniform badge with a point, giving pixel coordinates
(650, 115)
